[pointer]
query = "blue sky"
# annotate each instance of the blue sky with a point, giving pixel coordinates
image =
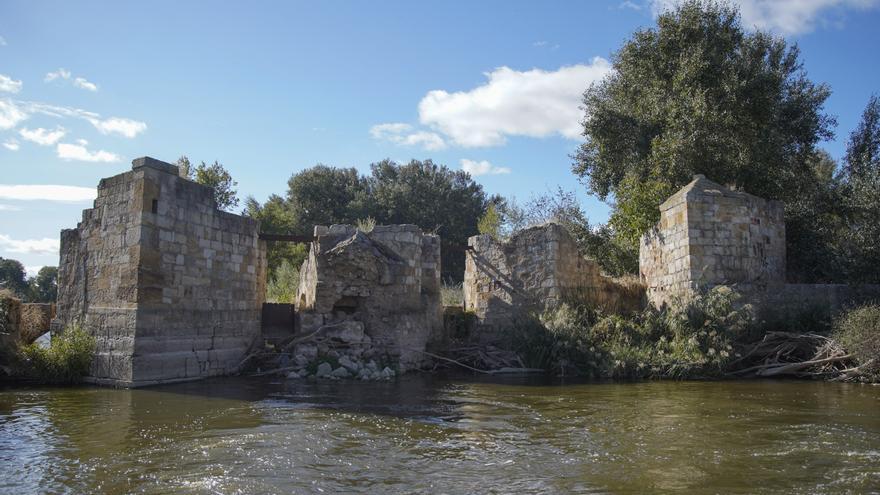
(271, 88)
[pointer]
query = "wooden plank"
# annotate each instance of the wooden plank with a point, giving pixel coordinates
(287, 237)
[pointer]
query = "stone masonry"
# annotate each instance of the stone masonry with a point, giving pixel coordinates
(709, 235)
(537, 269)
(170, 286)
(376, 292)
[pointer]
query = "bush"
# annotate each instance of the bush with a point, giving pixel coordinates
(66, 361)
(283, 285)
(858, 330)
(452, 294)
(689, 339)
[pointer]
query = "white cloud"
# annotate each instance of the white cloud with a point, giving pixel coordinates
(32, 271)
(83, 83)
(116, 125)
(2, 41)
(10, 115)
(482, 167)
(29, 246)
(9, 208)
(784, 16)
(9, 85)
(628, 4)
(41, 136)
(20, 192)
(11, 144)
(403, 135)
(79, 82)
(535, 103)
(79, 152)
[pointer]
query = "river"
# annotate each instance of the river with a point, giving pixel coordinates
(431, 434)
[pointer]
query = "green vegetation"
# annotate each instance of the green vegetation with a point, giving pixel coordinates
(283, 284)
(214, 176)
(691, 339)
(858, 331)
(43, 287)
(65, 361)
(452, 294)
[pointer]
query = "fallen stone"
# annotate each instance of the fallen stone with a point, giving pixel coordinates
(348, 332)
(340, 372)
(324, 369)
(348, 364)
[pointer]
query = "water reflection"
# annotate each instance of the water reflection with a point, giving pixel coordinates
(442, 435)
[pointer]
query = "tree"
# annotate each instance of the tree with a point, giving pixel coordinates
(433, 197)
(324, 195)
(12, 277)
(44, 286)
(863, 148)
(218, 178)
(697, 94)
(185, 168)
(490, 222)
(275, 217)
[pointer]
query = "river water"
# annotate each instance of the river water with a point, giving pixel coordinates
(428, 434)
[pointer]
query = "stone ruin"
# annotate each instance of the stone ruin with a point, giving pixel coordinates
(170, 286)
(369, 296)
(536, 270)
(709, 235)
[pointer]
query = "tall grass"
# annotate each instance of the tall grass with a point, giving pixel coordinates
(858, 330)
(283, 285)
(67, 359)
(452, 294)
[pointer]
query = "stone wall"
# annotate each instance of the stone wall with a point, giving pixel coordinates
(385, 284)
(709, 235)
(536, 269)
(171, 287)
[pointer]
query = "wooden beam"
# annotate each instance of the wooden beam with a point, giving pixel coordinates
(287, 238)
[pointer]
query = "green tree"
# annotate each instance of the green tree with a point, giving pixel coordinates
(324, 195)
(490, 222)
(44, 286)
(433, 197)
(275, 217)
(13, 277)
(698, 94)
(863, 148)
(220, 181)
(185, 168)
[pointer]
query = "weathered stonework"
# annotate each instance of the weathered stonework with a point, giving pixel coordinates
(537, 269)
(383, 286)
(170, 286)
(709, 235)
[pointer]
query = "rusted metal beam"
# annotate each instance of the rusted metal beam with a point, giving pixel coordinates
(287, 238)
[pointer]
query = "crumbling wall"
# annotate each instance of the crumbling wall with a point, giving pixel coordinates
(171, 287)
(535, 270)
(709, 235)
(384, 284)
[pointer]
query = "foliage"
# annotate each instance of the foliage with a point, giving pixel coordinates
(689, 339)
(366, 225)
(276, 217)
(490, 222)
(858, 330)
(452, 294)
(283, 283)
(699, 94)
(13, 277)
(324, 195)
(863, 148)
(43, 287)
(185, 168)
(66, 361)
(220, 181)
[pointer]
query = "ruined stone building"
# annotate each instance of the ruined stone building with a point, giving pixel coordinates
(709, 235)
(536, 269)
(170, 286)
(384, 284)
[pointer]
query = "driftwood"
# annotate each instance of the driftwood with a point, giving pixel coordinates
(796, 355)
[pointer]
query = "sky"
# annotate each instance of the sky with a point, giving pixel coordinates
(271, 88)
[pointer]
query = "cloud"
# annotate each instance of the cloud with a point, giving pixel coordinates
(783, 16)
(29, 246)
(534, 103)
(11, 144)
(545, 44)
(9, 208)
(627, 4)
(79, 82)
(404, 135)
(41, 136)
(10, 115)
(78, 152)
(116, 125)
(2, 41)
(9, 85)
(482, 167)
(19, 192)
(32, 271)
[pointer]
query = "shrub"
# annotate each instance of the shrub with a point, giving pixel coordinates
(284, 283)
(858, 330)
(452, 294)
(67, 359)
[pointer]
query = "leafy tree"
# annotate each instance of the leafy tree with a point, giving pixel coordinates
(12, 277)
(44, 286)
(283, 284)
(698, 94)
(218, 178)
(490, 222)
(433, 197)
(276, 217)
(863, 148)
(185, 168)
(325, 195)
